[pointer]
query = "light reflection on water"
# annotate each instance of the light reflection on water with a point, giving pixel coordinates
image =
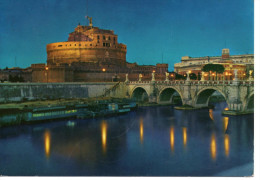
(184, 134)
(172, 138)
(47, 143)
(104, 135)
(141, 131)
(213, 146)
(111, 146)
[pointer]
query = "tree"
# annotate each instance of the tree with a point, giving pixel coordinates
(179, 76)
(193, 76)
(217, 68)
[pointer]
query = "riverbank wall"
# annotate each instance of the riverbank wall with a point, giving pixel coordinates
(17, 92)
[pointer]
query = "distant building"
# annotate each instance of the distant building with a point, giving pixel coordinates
(16, 74)
(242, 63)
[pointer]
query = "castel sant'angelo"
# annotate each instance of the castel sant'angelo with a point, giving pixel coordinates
(90, 54)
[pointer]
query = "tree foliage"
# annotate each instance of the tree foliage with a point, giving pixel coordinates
(193, 76)
(218, 68)
(179, 76)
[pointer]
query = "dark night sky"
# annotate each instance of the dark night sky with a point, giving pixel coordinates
(153, 30)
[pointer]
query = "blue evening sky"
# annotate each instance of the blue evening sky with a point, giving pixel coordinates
(154, 31)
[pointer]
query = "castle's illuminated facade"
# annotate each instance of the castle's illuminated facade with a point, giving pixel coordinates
(91, 54)
(88, 44)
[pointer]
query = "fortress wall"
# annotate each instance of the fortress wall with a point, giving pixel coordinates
(15, 92)
(67, 52)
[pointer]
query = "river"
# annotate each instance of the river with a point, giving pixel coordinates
(151, 141)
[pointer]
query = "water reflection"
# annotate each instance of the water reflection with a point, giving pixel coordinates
(184, 135)
(213, 146)
(225, 123)
(141, 131)
(211, 114)
(104, 135)
(89, 149)
(172, 138)
(47, 143)
(226, 144)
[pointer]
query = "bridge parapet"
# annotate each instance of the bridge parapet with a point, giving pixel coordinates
(196, 82)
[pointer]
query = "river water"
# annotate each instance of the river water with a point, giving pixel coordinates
(151, 141)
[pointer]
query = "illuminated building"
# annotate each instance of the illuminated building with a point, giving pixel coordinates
(241, 63)
(91, 54)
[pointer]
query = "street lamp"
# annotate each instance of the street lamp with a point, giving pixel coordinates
(213, 76)
(104, 70)
(46, 68)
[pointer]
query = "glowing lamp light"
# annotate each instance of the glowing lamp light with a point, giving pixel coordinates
(46, 68)
(153, 71)
(171, 75)
(189, 71)
(213, 74)
(103, 69)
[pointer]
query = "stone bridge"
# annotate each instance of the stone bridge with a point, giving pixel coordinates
(238, 94)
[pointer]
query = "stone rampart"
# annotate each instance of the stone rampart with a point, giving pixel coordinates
(15, 92)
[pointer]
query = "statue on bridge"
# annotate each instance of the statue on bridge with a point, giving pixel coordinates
(250, 75)
(153, 78)
(202, 76)
(167, 77)
(126, 78)
(188, 76)
(140, 77)
(235, 72)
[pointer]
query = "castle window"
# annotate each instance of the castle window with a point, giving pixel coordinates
(90, 44)
(75, 44)
(98, 41)
(59, 45)
(108, 37)
(70, 44)
(79, 44)
(104, 37)
(114, 39)
(104, 44)
(97, 37)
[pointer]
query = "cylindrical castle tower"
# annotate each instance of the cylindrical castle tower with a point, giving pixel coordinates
(88, 44)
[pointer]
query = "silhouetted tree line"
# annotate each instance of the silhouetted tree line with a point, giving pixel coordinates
(16, 78)
(193, 76)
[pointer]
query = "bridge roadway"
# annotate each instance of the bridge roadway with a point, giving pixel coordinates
(238, 94)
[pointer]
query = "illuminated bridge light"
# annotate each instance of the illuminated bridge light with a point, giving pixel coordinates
(47, 143)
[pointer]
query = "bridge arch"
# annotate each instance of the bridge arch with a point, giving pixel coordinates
(167, 94)
(139, 94)
(203, 96)
(250, 102)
